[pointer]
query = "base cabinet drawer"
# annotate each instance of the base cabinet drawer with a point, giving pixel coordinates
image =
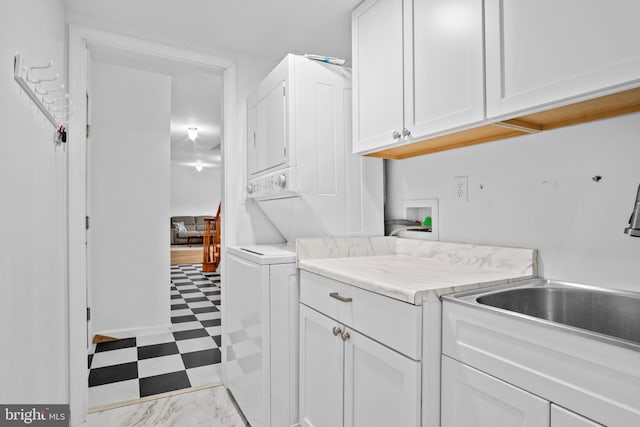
(395, 323)
(473, 398)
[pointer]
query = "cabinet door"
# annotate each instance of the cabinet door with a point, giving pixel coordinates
(377, 36)
(543, 51)
(444, 65)
(382, 387)
(560, 417)
(321, 370)
(472, 398)
(271, 137)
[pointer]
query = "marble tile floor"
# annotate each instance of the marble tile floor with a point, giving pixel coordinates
(210, 407)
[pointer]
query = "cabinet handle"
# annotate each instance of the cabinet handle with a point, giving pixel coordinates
(345, 336)
(339, 298)
(396, 134)
(406, 133)
(336, 331)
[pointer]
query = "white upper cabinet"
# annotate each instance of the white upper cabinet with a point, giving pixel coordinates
(418, 69)
(544, 51)
(378, 70)
(444, 66)
(431, 75)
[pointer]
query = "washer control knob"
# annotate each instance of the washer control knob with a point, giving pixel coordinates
(282, 180)
(251, 188)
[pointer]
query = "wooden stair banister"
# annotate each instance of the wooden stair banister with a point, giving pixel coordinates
(211, 243)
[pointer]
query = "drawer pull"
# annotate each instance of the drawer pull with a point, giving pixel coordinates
(336, 331)
(339, 298)
(345, 336)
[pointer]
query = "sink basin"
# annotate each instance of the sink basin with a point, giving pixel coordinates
(601, 312)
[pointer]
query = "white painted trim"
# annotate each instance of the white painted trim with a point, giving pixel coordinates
(136, 332)
(77, 262)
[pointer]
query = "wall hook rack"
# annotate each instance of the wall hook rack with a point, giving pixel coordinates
(30, 83)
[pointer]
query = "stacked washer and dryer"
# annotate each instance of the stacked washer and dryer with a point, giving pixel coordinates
(304, 177)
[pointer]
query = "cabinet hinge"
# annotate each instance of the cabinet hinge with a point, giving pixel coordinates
(86, 222)
(284, 91)
(88, 314)
(88, 131)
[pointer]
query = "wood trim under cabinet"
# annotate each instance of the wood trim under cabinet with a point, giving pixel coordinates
(603, 107)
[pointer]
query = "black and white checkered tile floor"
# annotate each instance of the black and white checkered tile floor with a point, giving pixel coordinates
(187, 356)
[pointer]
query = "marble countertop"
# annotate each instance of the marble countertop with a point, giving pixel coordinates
(414, 271)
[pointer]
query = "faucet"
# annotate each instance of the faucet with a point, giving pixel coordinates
(634, 222)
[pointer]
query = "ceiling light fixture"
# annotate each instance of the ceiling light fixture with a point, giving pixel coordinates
(199, 166)
(192, 133)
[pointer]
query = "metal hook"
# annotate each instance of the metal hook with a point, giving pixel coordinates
(62, 98)
(28, 77)
(42, 67)
(50, 79)
(60, 89)
(63, 118)
(41, 92)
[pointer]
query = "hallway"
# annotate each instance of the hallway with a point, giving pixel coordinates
(187, 356)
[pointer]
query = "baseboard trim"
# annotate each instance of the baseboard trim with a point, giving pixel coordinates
(136, 332)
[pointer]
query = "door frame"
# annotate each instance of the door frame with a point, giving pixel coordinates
(79, 38)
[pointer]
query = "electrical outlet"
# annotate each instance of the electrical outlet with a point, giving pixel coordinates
(460, 188)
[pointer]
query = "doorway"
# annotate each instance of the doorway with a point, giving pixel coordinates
(196, 130)
(80, 40)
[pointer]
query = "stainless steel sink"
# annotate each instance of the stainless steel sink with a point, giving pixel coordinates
(602, 313)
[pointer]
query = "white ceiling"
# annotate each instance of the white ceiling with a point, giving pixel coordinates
(265, 28)
(196, 101)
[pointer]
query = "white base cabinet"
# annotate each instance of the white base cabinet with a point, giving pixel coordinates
(473, 398)
(347, 379)
(360, 358)
(560, 417)
(321, 371)
(381, 387)
(491, 357)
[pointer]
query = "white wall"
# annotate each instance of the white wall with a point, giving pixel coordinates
(129, 194)
(33, 312)
(538, 193)
(193, 192)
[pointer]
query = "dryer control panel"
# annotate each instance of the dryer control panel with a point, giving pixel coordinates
(276, 185)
